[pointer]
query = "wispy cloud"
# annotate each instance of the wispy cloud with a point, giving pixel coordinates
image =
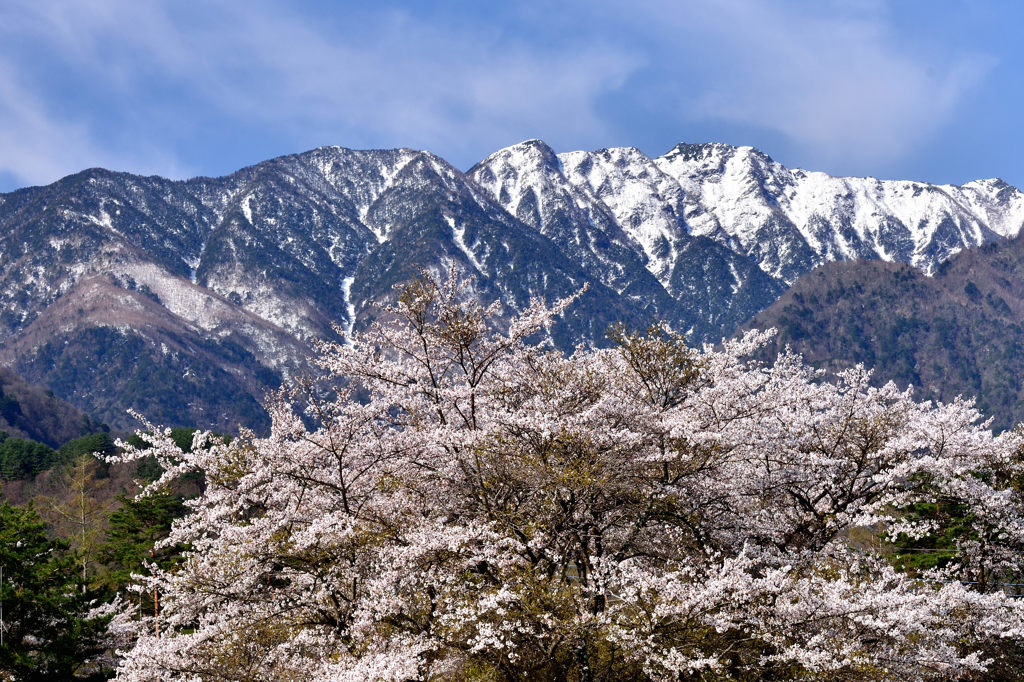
(385, 77)
(834, 78)
(167, 85)
(38, 146)
(400, 77)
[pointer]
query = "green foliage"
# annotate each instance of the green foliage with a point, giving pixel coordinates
(148, 469)
(45, 588)
(22, 459)
(937, 549)
(182, 437)
(94, 443)
(133, 530)
(47, 634)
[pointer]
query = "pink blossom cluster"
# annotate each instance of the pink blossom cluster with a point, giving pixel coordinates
(471, 504)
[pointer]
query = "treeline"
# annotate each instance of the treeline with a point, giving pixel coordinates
(21, 458)
(68, 551)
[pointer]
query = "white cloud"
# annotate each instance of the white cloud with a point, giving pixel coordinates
(41, 139)
(452, 88)
(835, 78)
(383, 77)
(414, 81)
(37, 147)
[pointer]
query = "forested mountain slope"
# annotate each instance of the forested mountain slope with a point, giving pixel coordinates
(31, 412)
(960, 332)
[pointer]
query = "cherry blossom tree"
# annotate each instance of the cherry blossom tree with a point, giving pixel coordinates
(471, 504)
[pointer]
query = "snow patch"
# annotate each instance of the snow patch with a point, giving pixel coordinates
(459, 233)
(247, 208)
(736, 280)
(350, 308)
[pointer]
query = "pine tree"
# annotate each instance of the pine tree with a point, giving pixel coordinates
(132, 535)
(48, 633)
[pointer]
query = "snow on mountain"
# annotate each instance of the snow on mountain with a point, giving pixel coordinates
(643, 200)
(110, 282)
(527, 180)
(791, 220)
(618, 215)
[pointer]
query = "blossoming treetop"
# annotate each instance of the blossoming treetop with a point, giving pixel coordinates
(472, 505)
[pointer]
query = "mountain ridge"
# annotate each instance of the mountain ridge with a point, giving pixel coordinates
(30, 412)
(111, 283)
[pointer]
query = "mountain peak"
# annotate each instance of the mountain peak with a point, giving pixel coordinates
(536, 144)
(697, 152)
(532, 153)
(716, 153)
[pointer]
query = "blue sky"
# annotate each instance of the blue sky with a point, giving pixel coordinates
(927, 90)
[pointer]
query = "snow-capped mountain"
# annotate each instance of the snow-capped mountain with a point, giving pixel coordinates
(616, 212)
(188, 300)
(785, 221)
(779, 216)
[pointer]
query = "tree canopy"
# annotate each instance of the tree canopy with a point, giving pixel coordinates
(471, 504)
